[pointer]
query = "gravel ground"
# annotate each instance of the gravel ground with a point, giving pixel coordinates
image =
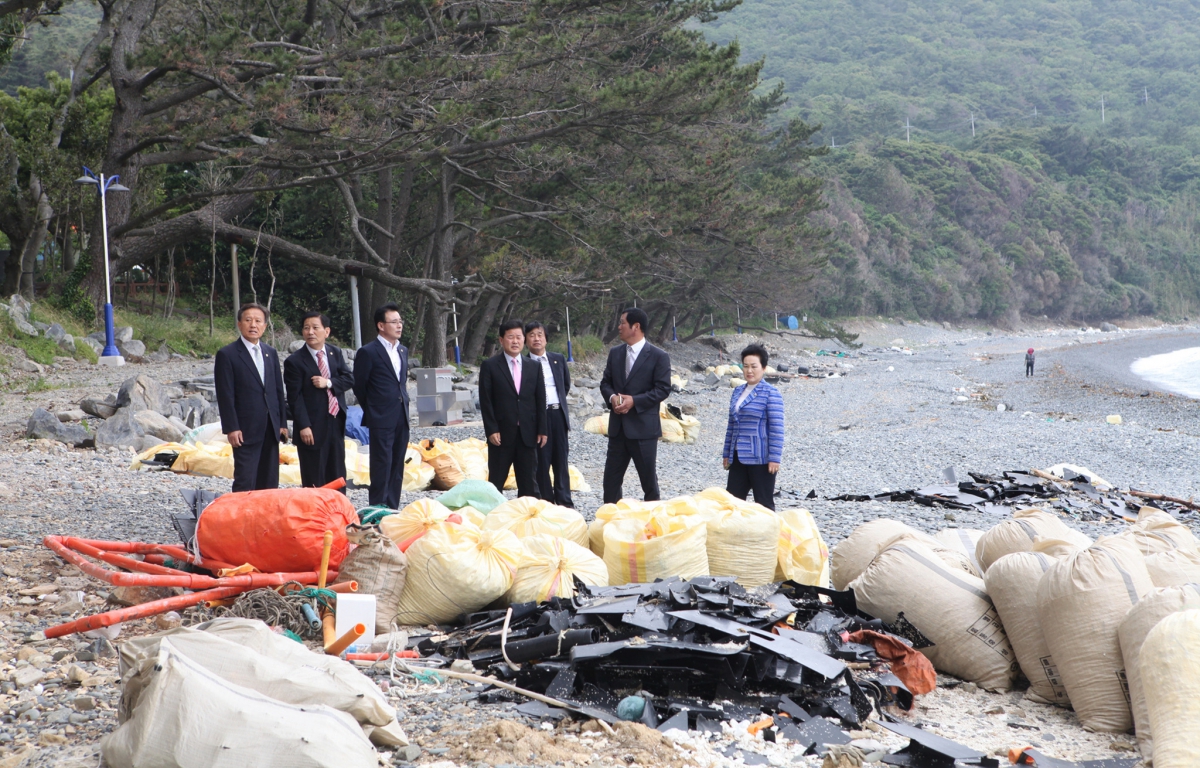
(892, 419)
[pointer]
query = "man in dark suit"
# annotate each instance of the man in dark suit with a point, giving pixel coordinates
(381, 386)
(316, 378)
(250, 398)
(512, 401)
(554, 453)
(637, 378)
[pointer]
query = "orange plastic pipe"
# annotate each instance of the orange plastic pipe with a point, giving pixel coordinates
(344, 587)
(143, 548)
(326, 547)
(59, 545)
(151, 608)
(344, 642)
(766, 722)
(328, 637)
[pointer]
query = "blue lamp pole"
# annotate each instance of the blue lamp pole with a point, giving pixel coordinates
(110, 355)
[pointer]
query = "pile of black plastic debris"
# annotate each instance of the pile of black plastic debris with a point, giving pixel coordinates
(1075, 495)
(700, 652)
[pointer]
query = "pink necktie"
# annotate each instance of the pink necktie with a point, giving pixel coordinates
(516, 370)
(324, 368)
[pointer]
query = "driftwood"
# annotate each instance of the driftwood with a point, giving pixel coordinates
(1160, 497)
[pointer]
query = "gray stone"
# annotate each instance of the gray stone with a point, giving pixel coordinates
(29, 366)
(143, 392)
(74, 414)
(55, 333)
(120, 431)
(40, 325)
(1108, 328)
(84, 703)
(67, 343)
(295, 345)
(97, 346)
(409, 753)
(18, 311)
(132, 348)
(27, 677)
(212, 414)
(122, 333)
(45, 425)
(190, 410)
(58, 717)
(103, 409)
(155, 424)
(161, 355)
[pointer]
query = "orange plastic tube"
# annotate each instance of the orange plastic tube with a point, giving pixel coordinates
(344, 587)
(344, 642)
(65, 547)
(151, 608)
(766, 722)
(328, 637)
(326, 546)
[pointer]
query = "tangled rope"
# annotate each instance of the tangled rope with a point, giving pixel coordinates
(284, 611)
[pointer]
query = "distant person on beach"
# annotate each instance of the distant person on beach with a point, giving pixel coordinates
(754, 434)
(1029, 362)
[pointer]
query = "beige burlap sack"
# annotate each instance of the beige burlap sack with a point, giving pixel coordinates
(1012, 583)
(1170, 667)
(854, 553)
(950, 607)
(1151, 609)
(1174, 568)
(1155, 531)
(963, 540)
(1081, 602)
(1021, 532)
(379, 567)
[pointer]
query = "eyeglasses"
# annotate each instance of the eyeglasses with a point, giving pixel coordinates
(393, 322)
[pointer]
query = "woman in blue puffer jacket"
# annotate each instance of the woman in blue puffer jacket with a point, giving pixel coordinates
(754, 435)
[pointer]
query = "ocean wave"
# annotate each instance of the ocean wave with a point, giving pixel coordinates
(1177, 371)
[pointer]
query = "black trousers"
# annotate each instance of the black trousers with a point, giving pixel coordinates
(746, 477)
(515, 454)
(644, 454)
(1028, 369)
(256, 466)
(554, 455)
(388, 445)
(325, 460)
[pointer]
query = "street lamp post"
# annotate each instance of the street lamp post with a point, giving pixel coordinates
(110, 355)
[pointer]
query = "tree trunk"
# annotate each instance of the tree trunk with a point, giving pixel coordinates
(486, 319)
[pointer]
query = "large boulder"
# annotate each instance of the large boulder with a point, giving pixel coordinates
(155, 424)
(161, 355)
(18, 312)
(121, 334)
(55, 333)
(212, 414)
(132, 348)
(190, 410)
(45, 425)
(121, 431)
(97, 346)
(28, 366)
(142, 393)
(67, 343)
(103, 409)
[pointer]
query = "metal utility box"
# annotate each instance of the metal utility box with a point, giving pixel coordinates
(436, 399)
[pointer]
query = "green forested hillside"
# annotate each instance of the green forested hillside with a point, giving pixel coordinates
(1051, 208)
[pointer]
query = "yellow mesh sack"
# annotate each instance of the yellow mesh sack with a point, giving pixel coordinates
(661, 547)
(549, 566)
(803, 556)
(419, 517)
(743, 537)
(529, 516)
(456, 569)
(623, 509)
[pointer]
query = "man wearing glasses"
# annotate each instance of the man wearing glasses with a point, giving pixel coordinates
(381, 386)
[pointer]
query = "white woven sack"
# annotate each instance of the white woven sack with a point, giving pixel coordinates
(1020, 532)
(950, 607)
(1081, 602)
(743, 537)
(854, 553)
(529, 516)
(1012, 584)
(963, 540)
(1151, 609)
(1155, 531)
(1174, 568)
(1170, 667)
(191, 717)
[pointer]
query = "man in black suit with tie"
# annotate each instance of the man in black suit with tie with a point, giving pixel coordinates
(316, 378)
(512, 401)
(554, 453)
(381, 386)
(637, 378)
(250, 398)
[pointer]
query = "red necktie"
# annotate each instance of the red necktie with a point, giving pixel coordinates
(324, 367)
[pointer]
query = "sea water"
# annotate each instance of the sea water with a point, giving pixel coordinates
(1177, 371)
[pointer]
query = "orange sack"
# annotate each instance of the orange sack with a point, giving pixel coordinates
(277, 530)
